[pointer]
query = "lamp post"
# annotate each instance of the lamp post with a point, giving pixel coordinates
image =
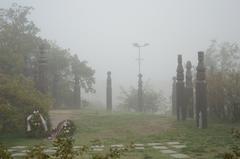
(140, 89)
(139, 54)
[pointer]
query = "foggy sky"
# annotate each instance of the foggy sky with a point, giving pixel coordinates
(102, 32)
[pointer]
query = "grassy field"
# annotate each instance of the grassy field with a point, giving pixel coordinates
(124, 128)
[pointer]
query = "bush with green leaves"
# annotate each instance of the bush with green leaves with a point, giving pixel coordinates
(18, 99)
(235, 148)
(64, 148)
(153, 100)
(4, 154)
(37, 152)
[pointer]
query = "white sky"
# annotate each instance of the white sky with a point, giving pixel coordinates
(102, 32)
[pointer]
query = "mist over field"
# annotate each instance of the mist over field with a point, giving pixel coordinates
(102, 32)
(119, 79)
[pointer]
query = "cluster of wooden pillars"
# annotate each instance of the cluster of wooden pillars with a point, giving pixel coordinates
(189, 99)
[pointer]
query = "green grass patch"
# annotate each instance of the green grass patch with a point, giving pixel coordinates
(124, 128)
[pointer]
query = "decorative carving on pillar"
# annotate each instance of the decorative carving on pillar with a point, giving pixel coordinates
(189, 83)
(55, 89)
(42, 70)
(180, 104)
(201, 93)
(174, 108)
(140, 93)
(189, 90)
(109, 92)
(77, 91)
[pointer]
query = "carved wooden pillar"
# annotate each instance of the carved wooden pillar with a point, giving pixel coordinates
(181, 110)
(55, 90)
(77, 91)
(201, 93)
(109, 92)
(140, 93)
(174, 108)
(189, 90)
(42, 70)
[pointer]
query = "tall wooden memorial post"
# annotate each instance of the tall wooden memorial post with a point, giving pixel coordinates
(189, 90)
(109, 92)
(201, 93)
(180, 89)
(42, 70)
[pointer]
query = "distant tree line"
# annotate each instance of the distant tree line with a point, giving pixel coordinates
(223, 80)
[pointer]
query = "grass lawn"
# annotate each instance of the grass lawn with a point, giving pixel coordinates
(124, 128)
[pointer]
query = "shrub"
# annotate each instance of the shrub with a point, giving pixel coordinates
(64, 148)
(235, 149)
(4, 154)
(18, 99)
(37, 152)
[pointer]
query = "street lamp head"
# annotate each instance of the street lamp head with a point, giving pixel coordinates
(136, 44)
(146, 44)
(140, 45)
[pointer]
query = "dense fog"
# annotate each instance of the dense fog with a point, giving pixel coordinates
(102, 32)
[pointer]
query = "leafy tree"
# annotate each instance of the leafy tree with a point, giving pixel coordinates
(153, 101)
(85, 73)
(19, 55)
(59, 73)
(18, 38)
(83, 78)
(128, 99)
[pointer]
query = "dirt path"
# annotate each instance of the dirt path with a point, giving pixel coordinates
(57, 116)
